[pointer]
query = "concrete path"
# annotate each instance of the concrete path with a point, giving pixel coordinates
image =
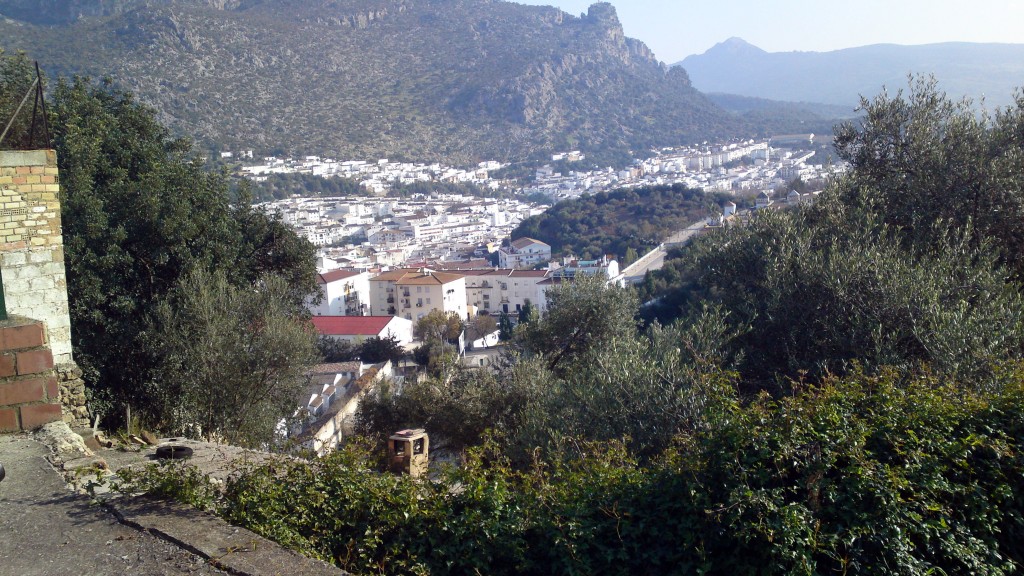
(47, 530)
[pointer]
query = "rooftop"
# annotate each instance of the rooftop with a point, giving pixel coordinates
(428, 277)
(351, 325)
(335, 275)
(521, 243)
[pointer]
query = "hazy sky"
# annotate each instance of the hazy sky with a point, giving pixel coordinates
(675, 29)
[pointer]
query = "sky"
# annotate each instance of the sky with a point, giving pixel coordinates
(675, 29)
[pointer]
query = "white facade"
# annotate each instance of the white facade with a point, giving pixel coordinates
(524, 253)
(497, 291)
(414, 293)
(345, 293)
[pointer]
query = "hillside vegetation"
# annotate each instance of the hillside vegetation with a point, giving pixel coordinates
(187, 304)
(615, 222)
(457, 80)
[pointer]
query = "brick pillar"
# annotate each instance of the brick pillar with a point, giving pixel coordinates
(32, 261)
(29, 393)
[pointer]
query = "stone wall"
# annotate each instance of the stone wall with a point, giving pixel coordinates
(31, 245)
(32, 263)
(29, 393)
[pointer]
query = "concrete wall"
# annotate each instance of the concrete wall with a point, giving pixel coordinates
(31, 245)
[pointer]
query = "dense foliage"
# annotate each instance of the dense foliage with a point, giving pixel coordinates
(140, 214)
(911, 258)
(280, 186)
(16, 102)
(860, 475)
(233, 360)
(613, 222)
(923, 161)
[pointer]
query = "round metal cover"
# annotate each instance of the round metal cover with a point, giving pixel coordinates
(173, 452)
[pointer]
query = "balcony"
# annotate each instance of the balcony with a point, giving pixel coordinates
(391, 299)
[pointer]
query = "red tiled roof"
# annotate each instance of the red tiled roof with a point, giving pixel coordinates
(351, 325)
(468, 273)
(335, 275)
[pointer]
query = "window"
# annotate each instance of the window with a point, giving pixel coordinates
(417, 446)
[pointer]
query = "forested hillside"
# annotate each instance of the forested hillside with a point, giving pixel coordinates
(459, 80)
(615, 222)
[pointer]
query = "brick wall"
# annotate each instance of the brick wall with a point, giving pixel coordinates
(29, 392)
(31, 245)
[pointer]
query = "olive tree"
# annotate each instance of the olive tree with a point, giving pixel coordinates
(234, 360)
(919, 158)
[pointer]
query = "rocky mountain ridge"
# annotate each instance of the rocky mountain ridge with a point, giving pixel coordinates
(458, 80)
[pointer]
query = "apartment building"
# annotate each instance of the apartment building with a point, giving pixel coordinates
(412, 293)
(345, 293)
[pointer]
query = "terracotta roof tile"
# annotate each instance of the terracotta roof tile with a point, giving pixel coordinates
(335, 275)
(351, 325)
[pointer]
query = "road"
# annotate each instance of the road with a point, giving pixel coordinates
(655, 259)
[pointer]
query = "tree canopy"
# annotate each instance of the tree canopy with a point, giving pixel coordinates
(233, 361)
(140, 213)
(615, 222)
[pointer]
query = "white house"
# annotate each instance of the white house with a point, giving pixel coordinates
(524, 253)
(325, 412)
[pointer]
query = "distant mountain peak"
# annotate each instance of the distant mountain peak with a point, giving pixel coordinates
(733, 46)
(840, 76)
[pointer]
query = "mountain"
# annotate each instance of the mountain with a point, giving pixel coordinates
(426, 79)
(838, 77)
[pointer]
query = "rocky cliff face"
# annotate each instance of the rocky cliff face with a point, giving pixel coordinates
(446, 79)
